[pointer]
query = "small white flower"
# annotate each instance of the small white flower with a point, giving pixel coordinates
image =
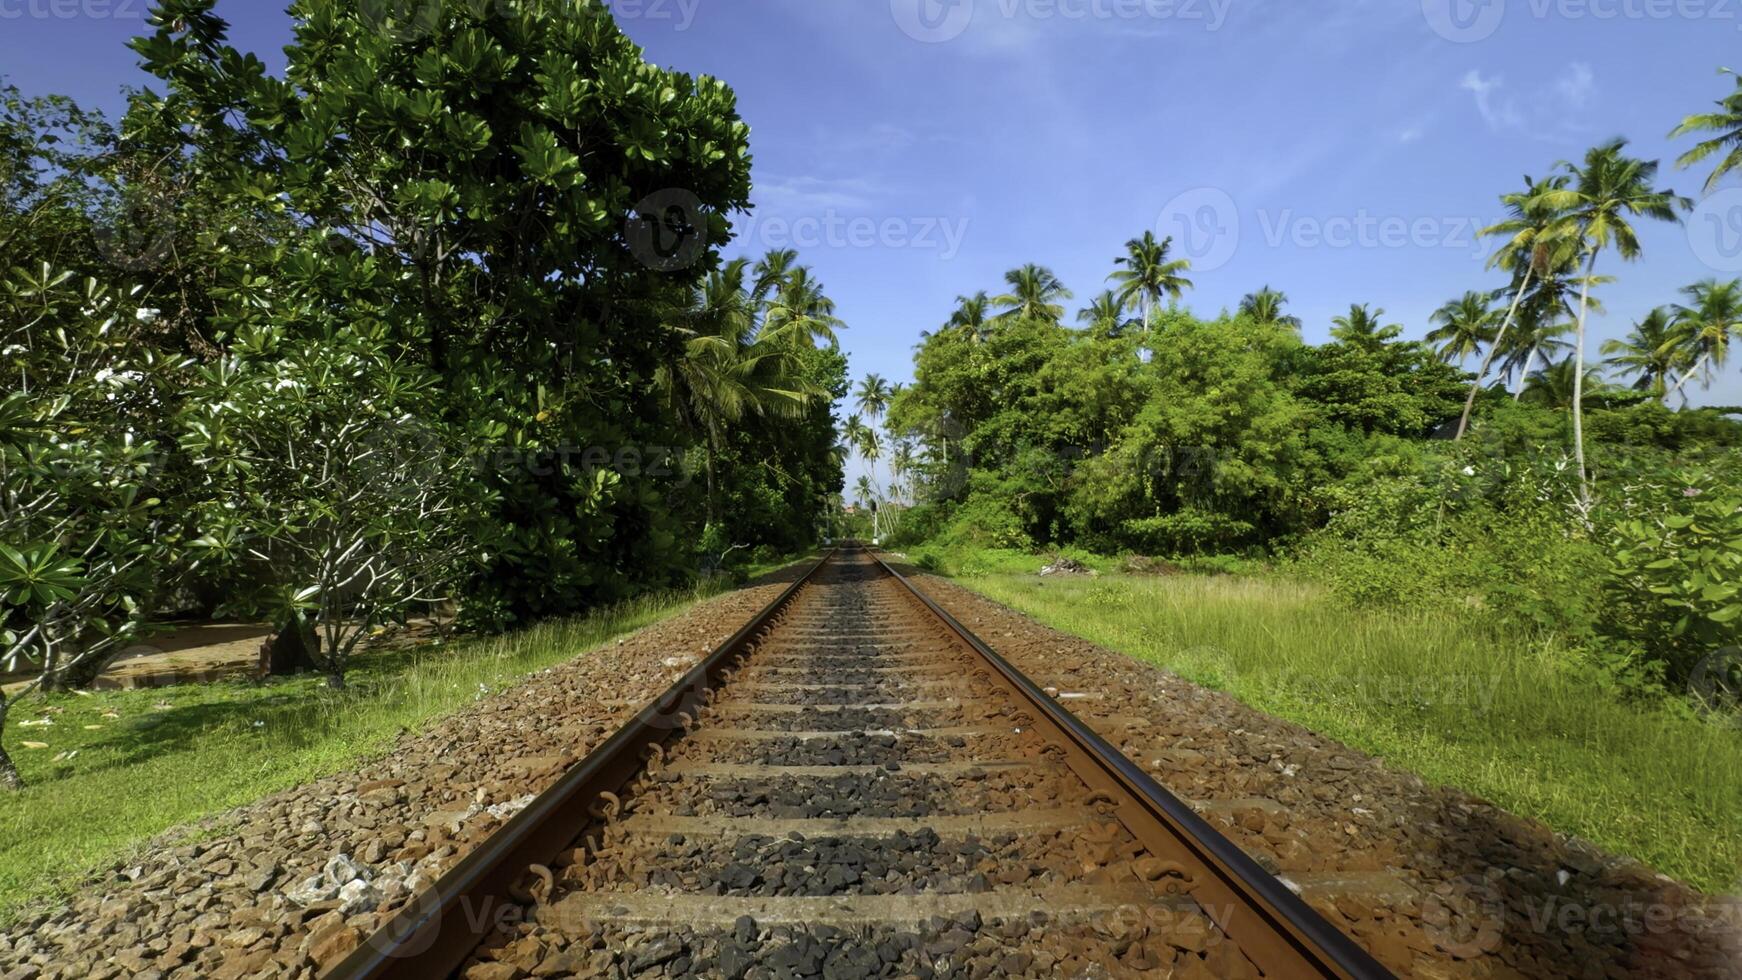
(147, 314)
(1469, 471)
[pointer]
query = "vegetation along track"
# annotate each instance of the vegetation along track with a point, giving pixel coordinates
(855, 785)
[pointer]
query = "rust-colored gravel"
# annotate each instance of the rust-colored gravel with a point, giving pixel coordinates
(1491, 894)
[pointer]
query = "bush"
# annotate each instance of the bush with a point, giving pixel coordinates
(1673, 596)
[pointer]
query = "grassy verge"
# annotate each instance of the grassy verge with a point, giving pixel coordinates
(120, 767)
(1431, 693)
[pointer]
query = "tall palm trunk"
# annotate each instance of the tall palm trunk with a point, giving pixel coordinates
(1524, 372)
(1699, 365)
(1579, 383)
(1493, 351)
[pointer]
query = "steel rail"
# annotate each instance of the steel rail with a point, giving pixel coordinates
(434, 935)
(1283, 936)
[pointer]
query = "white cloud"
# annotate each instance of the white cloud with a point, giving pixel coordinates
(1499, 110)
(1411, 134)
(810, 195)
(1577, 84)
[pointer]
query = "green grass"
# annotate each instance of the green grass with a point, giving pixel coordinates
(1432, 693)
(124, 766)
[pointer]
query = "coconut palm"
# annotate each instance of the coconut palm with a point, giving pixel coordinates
(1540, 335)
(1149, 274)
(1364, 328)
(1727, 123)
(773, 272)
(1105, 316)
(800, 313)
(973, 315)
(1608, 190)
(1651, 352)
(1703, 330)
(1561, 384)
(873, 396)
(1035, 292)
(727, 371)
(1529, 255)
(1467, 325)
(1265, 306)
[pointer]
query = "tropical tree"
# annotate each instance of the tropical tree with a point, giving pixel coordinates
(1704, 329)
(729, 369)
(1035, 294)
(1265, 306)
(1105, 316)
(973, 316)
(800, 314)
(1149, 274)
(1651, 352)
(1596, 209)
(1540, 336)
(1364, 328)
(1559, 385)
(1466, 326)
(1727, 123)
(1529, 255)
(873, 396)
(773, 271)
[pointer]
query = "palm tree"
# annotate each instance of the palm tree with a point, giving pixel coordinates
(973, 313)
(1727, 123)
(1649, 351)
(1105, 316)
(1467, 325)
(873, 396)
(727, 370)
(1529, 255)
(1149, 274)
(800, 312)
(1560, 384)
(1608, 190)
(1034, 294)
(1538, 336)
(1265, 306)
(1703, 331)
(773, 272)
(1361, 327)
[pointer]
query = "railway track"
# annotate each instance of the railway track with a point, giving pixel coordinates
(856, 786)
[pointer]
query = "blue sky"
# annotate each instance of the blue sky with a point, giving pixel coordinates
(1340, 151)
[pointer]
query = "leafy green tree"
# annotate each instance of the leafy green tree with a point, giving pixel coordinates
(1035, 294)
(85, 541)
(1466, 326)
(1649, 352)
(1265, 306)
(1596, 210)
(333, 481)
(873, 397)
(1149, 274)
(536, 198)
(1704, 329)
(1727, 123)
(1560, 384)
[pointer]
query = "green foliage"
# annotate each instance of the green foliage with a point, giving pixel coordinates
(1674, 591)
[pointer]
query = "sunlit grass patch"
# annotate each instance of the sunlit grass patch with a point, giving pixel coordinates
(1518, 723)
(116, 768)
